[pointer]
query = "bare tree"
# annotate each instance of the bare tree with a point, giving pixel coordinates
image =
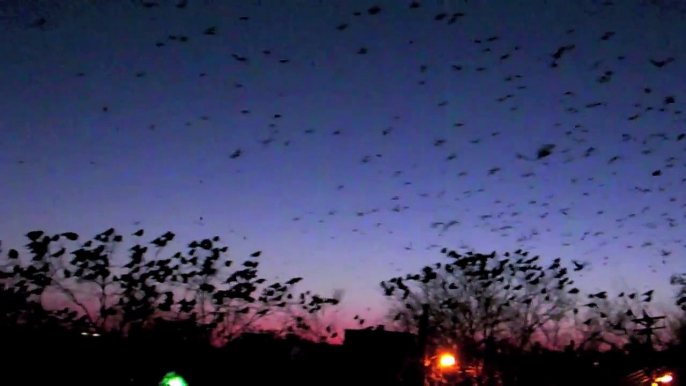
(201, 286)
(679, 281)
(613, 322)
(323, 326)
(482, 302)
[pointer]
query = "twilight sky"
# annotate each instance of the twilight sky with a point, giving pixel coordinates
(412, 130)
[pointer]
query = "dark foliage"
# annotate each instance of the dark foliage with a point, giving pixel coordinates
(146, 312)
(504, 315)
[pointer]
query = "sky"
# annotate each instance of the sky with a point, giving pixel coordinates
(347, 159)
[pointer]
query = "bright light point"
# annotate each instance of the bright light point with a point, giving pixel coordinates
(172, 379)
(175, 382)
(447, 360)
(667, 378)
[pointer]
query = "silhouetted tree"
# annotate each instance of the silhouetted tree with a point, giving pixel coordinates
(611, 322)
(84, 287)
(480, 303)
(679, 323)
(495, 310)
(323, 326)
(679, 281)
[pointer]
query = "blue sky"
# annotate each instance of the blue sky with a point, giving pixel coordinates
(161, 154)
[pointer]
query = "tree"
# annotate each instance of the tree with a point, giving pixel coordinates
(323, 326)
(482, 302)
(679, 325)
(679, 281)
(615, 322)
(478, 296)
(492, 309)
(200, 286)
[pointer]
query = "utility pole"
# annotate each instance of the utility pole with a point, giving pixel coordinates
(648, 323)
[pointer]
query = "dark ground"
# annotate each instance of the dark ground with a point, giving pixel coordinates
(38, 357)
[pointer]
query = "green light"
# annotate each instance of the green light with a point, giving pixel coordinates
(173, 379)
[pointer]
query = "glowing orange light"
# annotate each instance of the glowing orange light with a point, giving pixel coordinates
(667, 378)
(447, 360)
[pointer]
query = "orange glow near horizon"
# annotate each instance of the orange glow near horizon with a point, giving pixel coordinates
(667, 378)
(447, 360)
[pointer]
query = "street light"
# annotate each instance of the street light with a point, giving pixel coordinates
(667, 378)
(447, 360)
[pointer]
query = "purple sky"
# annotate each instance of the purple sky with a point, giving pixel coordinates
(87, 170)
